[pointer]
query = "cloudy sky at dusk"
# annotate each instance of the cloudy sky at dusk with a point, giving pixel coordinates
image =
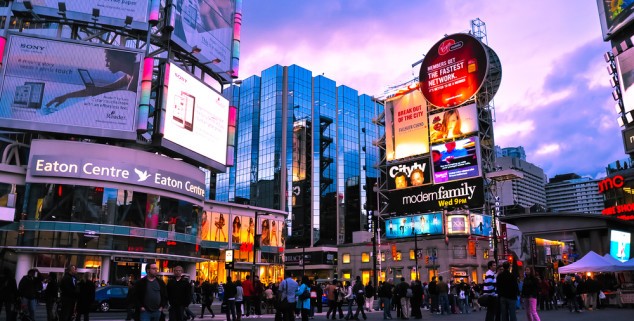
(555, 98)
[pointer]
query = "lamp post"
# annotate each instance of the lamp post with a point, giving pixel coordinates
(500, 176)
(416, 252)
(256, 243)
(375, 223)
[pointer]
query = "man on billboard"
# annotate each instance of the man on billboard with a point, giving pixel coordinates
(117, 61)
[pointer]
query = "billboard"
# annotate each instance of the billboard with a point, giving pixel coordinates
(468, 192)
(457, 225)
(406, 131)
(60, 86)
(614, 15)
(421, 224)
(243, 229)
(196, 117)
(620, 245)
(625, 68)
(206, 24)
(271, 231)
(480, 224)
(213, 227)
(628, 140)
(455, 160)
(111, 12)
(453, 70)
(453, 123)
(409, 174)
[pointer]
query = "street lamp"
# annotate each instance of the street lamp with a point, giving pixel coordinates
(500, 176)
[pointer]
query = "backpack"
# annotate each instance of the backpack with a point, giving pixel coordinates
(409, 293)
(462, 295)
(305, 295)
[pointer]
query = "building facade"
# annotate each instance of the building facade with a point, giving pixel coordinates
(574, 194)
(516, 152)
(528, 192)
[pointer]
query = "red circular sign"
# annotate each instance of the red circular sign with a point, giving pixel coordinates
(453, 70)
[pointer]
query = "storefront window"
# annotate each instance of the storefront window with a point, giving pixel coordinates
(11, 200)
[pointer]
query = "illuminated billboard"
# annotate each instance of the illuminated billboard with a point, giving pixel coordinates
(75, 88)
(457, 225)
(614, 15)
(111, 12)
(409, 174)
(625, 68)
(480, 224)
(272, 232)
(421, 224)
(468, 192)
(453, 70)
(620, 245)
(214, 227)
(207, 25)
(196, 117)
(406, 131)
(453, 123)
(455, 160)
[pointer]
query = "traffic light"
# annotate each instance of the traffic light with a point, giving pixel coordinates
(510, 259)
(427, 259)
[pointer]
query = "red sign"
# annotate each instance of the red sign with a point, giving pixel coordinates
(611, 183)
(246, 247)
(453, 70)
(624, 211)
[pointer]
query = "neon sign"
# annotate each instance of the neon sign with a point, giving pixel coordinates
(611, 183)
(624, 212)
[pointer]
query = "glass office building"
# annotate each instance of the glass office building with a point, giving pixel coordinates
(304, 145)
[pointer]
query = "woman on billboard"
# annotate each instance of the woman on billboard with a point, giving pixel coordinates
(449, 127)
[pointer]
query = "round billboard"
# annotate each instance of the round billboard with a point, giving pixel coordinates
(453, 70)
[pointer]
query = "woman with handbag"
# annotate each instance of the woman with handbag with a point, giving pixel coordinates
(303, 297)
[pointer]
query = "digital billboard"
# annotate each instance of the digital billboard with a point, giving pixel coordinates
(457, 225)
(614, 15)
(455, 160)
(409, 174)
(421, 224)
(75, 88)
(453, 70)
(406, 131)
(111, 12)
(196, 117)
(620, 245)
(453, 123)
(625, 68)
(206, 24)
(468, 192)
(480, 224)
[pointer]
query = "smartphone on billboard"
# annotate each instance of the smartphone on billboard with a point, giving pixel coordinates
(86, 78)
(22, 96)
(178, 112)
(190, 103)
(37, 94)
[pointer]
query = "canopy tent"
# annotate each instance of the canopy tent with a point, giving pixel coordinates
(591, 262)
(629, 265)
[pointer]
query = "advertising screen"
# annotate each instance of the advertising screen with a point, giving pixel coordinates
(196, 117)
(421, 224)
(453, 123)
(480, 224)
(243, 229)
(614, 15)
(468, 192)
(206, 24)
(625, 68)
(620, 245)
(455, 160)
(453, 70)
(409, 174)
(457, 224)
(214, 227)
(56, 86)
(406, 131)
(271, 231)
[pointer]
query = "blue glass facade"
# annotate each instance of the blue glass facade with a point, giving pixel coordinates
(304, 146)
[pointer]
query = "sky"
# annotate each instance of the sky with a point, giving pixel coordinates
(555, 96)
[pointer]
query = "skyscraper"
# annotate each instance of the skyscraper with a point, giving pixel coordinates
(527, 192)
(573, 193)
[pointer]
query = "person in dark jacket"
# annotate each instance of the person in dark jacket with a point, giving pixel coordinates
(358, 291)
(8, 292)
(417, 299)
(68, 293)
(131, 311)
(530, 293)
(385, 295)
(150, 295)
(370, 292)
(508, 290)
(179, 294)
(28, 289)
(86, 297)
(433, 294)
(229, 298)
(206, 291)
(50, 296)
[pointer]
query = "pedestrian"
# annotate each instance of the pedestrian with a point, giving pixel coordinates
(463, 297)
(229, 299)
(288, 288)
(68, 293)
(530, 293)
(370, 292)
(131, 312)
(442, 288)
(570, 292)
(150, 295)
(417, 299)
(331, 295)
(433, 294)
(359, 292)
(349, 298)
(303, 304)
(405, 293)
(489, 289)
(385, 296)
(86, 297)
(50, 297)
(178, 294)
(207, 298)
(247, 287)
(29, 287)
(8, 293)
(508, 290)
(239, 300)
(258, 293)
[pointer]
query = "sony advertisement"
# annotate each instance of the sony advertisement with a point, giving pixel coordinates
(625, 68)
(111, 12)
(453, 70)
(58, 86)
(196, 117)
(436, 197)
(480, 224)
(206, 24)
(453, 123)
(457, 225)
(406, 126)
(620, 245)
(455, 160)
(409, 174)
(614, 15)
(419, 224)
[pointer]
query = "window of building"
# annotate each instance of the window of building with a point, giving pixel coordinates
(346, 275)
(399, 256)
(459, 252)
(345, 258)
(412, 255)
(365, 257)
(382, 256)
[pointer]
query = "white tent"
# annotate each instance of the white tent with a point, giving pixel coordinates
(591, 262)
(628, 265)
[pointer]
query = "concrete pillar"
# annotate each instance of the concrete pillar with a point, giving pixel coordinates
(191, 270)
(105, 269)
(23, 265)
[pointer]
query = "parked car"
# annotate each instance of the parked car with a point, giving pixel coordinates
(111, 297)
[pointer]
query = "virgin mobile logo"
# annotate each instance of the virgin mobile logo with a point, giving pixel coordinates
(448, 45)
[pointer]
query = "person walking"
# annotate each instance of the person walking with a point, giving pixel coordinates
(359, 292)
(433, 294)
(8, 293)
(51, 295)
(489, 288)
(442, 288)
(239, 300)
(258, 293)
(417, 299)
(249, 291)
(68, 293)
(463, 297)
(229, 299)
(288, 288)
(207, 299)
(178, 294)
(303, 304)
(385, 297)
(349, 298)
(86, 298)
(530, 293)
(570, 292)
(150, 295)
(370, 292)
(131, 312)
(29, 287)
(405, 293)
(508, 290)
(331, 295)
